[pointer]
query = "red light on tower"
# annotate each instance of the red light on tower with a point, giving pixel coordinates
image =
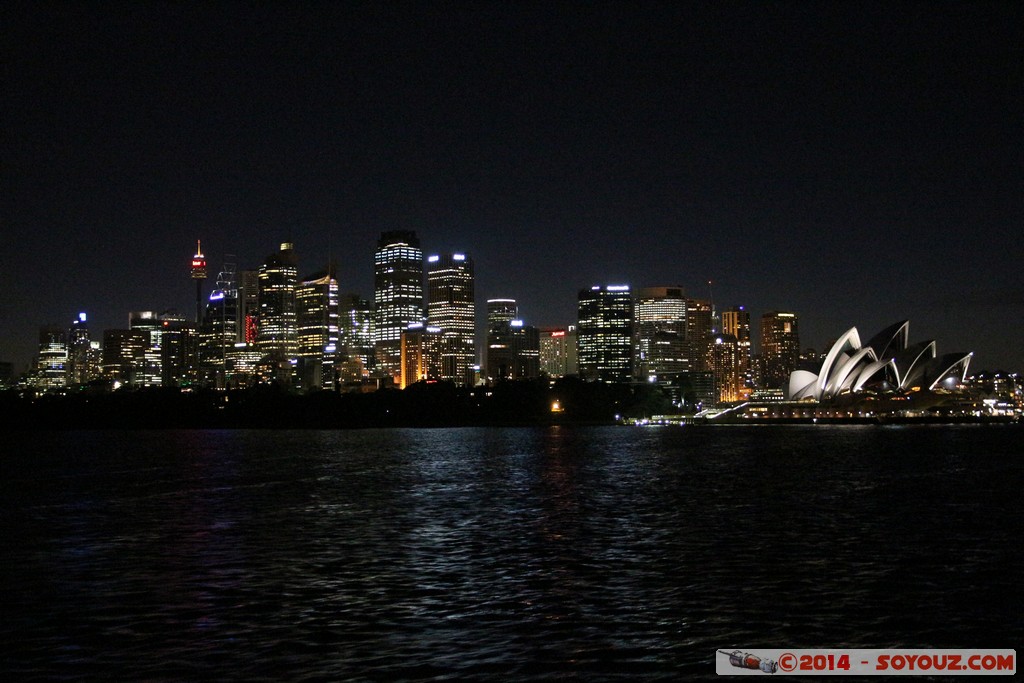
(199, 274)
(199, 263)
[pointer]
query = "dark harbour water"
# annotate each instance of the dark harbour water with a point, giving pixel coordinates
(504, 554)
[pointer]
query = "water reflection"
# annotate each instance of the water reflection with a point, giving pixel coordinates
(499, 553)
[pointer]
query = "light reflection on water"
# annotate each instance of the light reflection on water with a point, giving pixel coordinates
(500, 553)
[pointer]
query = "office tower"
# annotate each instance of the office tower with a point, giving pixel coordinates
(149, 323)
(736, 322)
(557, 347)
(723, 362)
(316, 302)
(276, 336)
(699, 328)
(124, 356)
(179, 350)
(355, 345)
(220, 329)
(780, 348)
(451, 307)
(498, 362)
(83, 354)
(249, 306)
(51, 366)
(421, 354)
(397, 297)
(199, 274)
(660, 346)
(605, 333)
(525, 350)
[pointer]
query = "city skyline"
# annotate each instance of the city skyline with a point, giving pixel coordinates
(856, 164)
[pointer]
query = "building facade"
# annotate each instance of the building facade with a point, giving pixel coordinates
(660, 346)
(605, 333)
(557, 350)
(277, 330)
(780, 348)
(498, 360)
(451, 307)
(318, 330)
(699, 331)
(51, 366)
(397, 297)
(220, 330)
(736, 323)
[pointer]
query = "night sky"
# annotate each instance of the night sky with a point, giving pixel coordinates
(857, 163)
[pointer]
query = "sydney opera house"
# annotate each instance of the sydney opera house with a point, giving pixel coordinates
(887, 365)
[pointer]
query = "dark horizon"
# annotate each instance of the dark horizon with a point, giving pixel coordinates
(855, 163)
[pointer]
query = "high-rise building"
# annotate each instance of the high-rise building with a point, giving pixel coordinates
(124, 356)
(397, 296)
(83, 354)
(605, 333)
(249, 306)
(316, 301)
(149, 323)
(277, 333)
(736, 322)
(355, 346)
(780, 348)
(51, 367)
(422, 352)
(557, 346)
(451, 307)
(525, 350)
(699, 331)
(179, 350)
(498, 361)
(660, 347)
(220, 329)
(723, 362)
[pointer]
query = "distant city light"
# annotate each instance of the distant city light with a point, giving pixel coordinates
(433, 259)
(81, 317)
(459, 257)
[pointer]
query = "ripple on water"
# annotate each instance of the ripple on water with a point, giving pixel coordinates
(518, 554)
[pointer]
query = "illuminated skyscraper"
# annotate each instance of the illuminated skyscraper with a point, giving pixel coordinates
(249, 306)
(780, 348)
(316, 300)
(220, 329)
(51, 367)
(451, 307)
(736, 322)
(179, 344)
(498, 363)
(124, 356)
(422, 354)
(356, 339)
(150, 374)
(397, 296)
(699, 328)
(722, 361)
(660, 347)
(276, 336)
(83, 354)
(557, 346)
(605, 333)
